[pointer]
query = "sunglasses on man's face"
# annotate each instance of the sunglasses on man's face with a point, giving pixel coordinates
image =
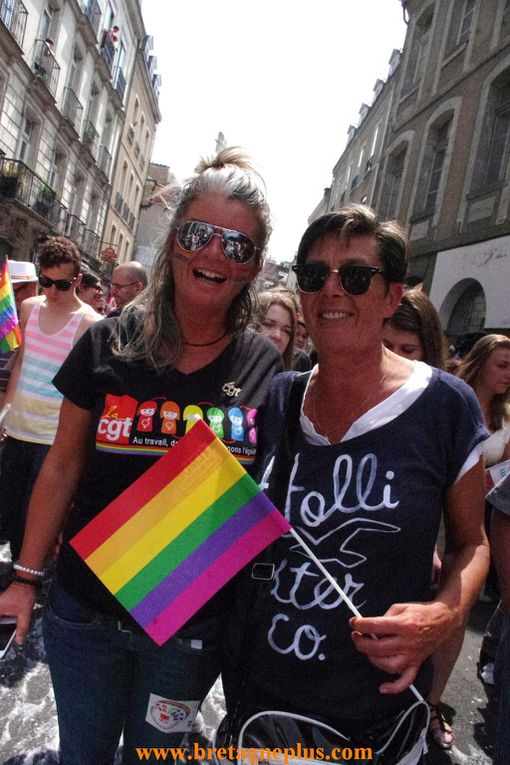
(61, 284)
(355, 280)
(194, 235)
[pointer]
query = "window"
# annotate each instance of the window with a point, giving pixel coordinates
(466, 21)
(436, 169)
(25, 150)
(393, 183)
(422, 49)
(57, 163)
(374, 140)
(498, 148)
(432, 168)
(109, 16)
(418, 56)
(492, 156)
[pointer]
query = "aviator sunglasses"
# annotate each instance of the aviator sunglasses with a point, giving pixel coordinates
(194, 235)
(355, 280)
(61, 284)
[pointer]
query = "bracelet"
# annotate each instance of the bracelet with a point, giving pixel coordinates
(23, 580)
(27, 570)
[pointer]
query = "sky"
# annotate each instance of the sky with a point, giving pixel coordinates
(282, 79)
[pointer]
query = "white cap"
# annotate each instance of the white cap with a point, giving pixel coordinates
(21, 271)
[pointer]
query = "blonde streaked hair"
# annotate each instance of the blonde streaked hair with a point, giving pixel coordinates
(157, 338)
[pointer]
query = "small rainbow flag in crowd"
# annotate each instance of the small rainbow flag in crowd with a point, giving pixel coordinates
(171, 540)
(10, 334)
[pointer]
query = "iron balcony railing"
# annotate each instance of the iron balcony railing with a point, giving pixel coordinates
(125, 212)
(90, 137)
(93, 13)
(137, 149)
(104, 160)
(45, 65)
(75, 229)
(117, 205)
(14, 16)
(73, 110)
(120, 83)
(91, 243)
(108, 50)
(131, 134)
(19, 182)
(142, 161)
(131, 221)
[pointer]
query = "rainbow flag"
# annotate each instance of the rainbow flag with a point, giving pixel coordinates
(171, 540)
(10, 334)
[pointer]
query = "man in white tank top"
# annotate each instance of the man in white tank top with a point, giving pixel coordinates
(51, 325)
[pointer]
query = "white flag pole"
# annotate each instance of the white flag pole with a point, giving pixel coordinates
(343, 595)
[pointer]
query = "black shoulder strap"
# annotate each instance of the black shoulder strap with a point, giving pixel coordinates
(285, 450)
(261, 572)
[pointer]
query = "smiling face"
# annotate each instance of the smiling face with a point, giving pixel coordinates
(404, 343)
(337, 321)
(277, 326)
(206, 282)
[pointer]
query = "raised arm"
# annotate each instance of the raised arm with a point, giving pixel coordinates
(52, 496)
(410, 632)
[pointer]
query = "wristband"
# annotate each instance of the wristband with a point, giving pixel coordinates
(27, 570)
(23, 580)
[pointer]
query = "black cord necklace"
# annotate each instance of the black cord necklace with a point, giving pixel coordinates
(204, 345)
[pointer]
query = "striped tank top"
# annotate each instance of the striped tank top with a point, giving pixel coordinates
(36, 405)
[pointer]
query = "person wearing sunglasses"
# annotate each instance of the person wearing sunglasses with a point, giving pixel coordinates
(90, 291)
(183, 341)
(372, 444)
(51, 324)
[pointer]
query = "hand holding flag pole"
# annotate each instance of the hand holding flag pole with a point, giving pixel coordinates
(180, 532)
(348, 602)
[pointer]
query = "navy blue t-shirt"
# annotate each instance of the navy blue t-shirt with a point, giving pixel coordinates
(369, 508)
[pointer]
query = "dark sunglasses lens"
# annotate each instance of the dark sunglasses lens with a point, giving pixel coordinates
(61, 284)
(311, 277)
(237, 247)
(193, 235)
(356, 279)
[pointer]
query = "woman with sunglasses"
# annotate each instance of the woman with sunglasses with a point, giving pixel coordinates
(181, 345)
(376, 442)
(51, 325)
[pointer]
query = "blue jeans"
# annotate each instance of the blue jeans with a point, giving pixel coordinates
(502, 678)
(108, 680)
(20, 465)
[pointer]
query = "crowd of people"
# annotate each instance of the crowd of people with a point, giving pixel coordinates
(336, 399)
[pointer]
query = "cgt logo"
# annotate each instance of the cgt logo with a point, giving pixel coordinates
(117, 419)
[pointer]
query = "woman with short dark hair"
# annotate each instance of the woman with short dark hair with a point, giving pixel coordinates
(371, 443)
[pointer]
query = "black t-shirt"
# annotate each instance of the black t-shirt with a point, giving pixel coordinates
(138, 414)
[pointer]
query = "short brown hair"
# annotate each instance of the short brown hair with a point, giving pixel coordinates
(57, 250)
(360, 220)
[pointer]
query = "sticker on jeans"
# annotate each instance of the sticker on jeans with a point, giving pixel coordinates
(170, 716)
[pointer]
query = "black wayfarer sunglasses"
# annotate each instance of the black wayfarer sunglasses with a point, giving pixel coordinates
(355, 280)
